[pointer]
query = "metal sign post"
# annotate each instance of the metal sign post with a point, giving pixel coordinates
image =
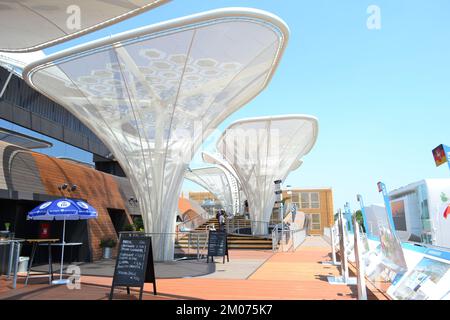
(348, 217)
(333, 261)
(279, 202)
(387, 204)
(360, 267)
(359, 198)
(344, 279)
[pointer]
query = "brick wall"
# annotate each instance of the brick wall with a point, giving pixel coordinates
(99, 189)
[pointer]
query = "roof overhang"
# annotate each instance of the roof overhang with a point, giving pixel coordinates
(34, 25)
(23, 140)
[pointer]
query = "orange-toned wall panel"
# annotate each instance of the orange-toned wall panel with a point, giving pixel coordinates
(99, 189)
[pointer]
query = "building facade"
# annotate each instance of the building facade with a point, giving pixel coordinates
(206, 200)
(29, 178)
(318, 203)
(418, 211)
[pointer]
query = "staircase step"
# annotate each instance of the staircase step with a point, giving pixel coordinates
(234, 241)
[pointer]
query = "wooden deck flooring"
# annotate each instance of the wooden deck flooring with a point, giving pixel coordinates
(288, 276)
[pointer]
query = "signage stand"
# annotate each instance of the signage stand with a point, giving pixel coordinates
(333, 261)
(134, 264)
(344, 278)
(217, 245)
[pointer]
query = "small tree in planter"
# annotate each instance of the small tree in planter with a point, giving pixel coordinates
(107, 244)
(129, 227)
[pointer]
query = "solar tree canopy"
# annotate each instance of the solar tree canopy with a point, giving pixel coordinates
(215, 180)
(153, 94)
(217, 159)
(30, 25)
(262, 150)
(236, 191)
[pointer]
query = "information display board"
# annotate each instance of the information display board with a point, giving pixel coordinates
(134, 264)
(428, 280)
(217, 245)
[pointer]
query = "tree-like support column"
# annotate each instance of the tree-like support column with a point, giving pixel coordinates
(152, 95)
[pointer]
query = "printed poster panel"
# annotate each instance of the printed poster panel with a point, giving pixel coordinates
(398, 214)
(392, 255)
(429, 280)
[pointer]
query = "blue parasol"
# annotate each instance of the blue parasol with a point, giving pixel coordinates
(63, 209)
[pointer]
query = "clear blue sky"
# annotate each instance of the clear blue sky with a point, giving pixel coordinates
(382, 96)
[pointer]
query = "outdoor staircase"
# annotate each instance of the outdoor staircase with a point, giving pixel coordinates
(235, 241)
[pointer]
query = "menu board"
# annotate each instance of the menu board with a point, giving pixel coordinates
(217, 245)
(134, 263)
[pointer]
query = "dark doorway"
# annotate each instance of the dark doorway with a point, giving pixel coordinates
(15, 212)
(119, 219)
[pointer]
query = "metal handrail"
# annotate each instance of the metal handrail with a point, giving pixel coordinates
(234, 226)
(193, 223)
(193, 238)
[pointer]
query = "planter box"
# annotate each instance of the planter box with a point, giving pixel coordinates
(107, 253)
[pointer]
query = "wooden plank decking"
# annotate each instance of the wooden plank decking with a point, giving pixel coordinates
(288, 276)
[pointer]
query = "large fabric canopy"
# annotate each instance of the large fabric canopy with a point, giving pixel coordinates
(262, 150)
(153, 94)
(30, 25)
(236, 190)
(215, 180)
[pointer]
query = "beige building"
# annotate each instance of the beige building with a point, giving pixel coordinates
(315, 201)
(200, 197)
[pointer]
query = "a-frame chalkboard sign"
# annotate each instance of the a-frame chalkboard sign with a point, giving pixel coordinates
(217, 245)
(134, 263)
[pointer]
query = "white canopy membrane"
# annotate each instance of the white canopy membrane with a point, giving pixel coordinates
(215, 180)
(30, 25)
(236, 190)
(152, 95)
(262, 150)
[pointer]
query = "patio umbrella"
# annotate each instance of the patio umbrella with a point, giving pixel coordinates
(63, 209)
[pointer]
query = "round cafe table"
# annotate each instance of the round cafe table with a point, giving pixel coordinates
(41, 242)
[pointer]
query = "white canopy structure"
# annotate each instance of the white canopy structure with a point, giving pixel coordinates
(31, 25)
(153, 94)
(262, 150)
(217, 160)
(215, 180)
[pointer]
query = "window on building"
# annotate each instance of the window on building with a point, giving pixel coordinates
(315, 221)
(308, 200)
(314, 196)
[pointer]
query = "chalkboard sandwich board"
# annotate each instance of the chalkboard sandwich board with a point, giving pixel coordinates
(217, 245)
(134, 263)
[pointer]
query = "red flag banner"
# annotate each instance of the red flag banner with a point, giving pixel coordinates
(439, 155)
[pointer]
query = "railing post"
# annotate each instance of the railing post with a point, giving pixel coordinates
(198, 246)
(189, 243)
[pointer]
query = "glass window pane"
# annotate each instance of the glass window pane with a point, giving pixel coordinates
(305, 197)
(315, 221)
(314, 196)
